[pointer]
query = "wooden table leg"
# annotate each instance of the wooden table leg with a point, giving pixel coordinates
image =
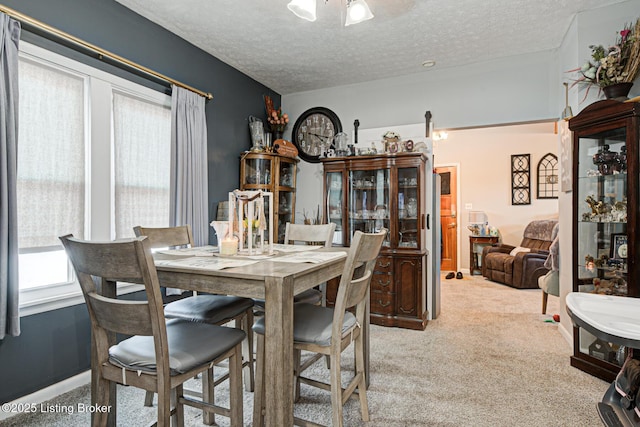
(278, 387)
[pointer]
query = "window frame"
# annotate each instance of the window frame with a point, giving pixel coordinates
(99, 189)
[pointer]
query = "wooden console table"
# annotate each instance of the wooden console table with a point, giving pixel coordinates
(473, 254)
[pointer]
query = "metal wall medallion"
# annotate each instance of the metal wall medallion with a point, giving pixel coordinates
(520, 182)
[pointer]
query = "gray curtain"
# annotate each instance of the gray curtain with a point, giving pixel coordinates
(189, 189)
(9, 289)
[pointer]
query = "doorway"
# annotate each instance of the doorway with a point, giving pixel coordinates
(449, 217)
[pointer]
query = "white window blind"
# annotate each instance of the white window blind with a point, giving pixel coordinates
(51, 155)
(142, 138)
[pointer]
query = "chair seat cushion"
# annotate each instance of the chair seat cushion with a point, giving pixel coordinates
(213, 309)
(312, 324)
(310, 296)
(190, 344)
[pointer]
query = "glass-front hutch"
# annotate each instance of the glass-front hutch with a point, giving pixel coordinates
(605, 218)
(368, 193)
(277, 174)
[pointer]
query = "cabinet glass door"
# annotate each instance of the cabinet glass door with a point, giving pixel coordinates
(257, 172)
(334, 207)
(369, 205)
(602, 225)
(287, 174)
(285, 212)
(408, 199)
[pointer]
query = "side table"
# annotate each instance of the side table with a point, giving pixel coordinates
(475, 245)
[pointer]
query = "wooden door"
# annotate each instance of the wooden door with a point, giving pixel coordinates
(449, 217)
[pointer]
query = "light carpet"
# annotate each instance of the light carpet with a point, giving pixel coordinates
(490, 359)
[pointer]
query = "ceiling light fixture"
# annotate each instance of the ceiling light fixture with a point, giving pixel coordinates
(428, 63)
(357, 11)
(305, 9)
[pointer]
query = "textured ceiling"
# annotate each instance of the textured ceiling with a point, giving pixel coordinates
(263, 39)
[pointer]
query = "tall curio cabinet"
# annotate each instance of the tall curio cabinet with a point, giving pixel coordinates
(277, 174)
(368, 193)
(606, 243)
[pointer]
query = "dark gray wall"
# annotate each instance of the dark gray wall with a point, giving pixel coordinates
(55, 345)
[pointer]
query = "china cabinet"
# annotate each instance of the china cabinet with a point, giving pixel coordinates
(605, 213)
(277, 174)
(368, 193)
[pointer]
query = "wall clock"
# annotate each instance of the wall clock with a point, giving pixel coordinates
(313, 133)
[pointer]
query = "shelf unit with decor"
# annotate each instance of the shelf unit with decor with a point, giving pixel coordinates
(277, 174)
(368, 193)
(606, 241)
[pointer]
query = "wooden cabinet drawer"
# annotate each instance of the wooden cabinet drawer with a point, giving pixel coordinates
(384, 264)
(382, 283)
(383, 302)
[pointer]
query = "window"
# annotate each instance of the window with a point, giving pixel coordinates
(93, 160)
(51, 165)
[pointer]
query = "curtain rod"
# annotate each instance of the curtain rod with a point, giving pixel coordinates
(101, 53)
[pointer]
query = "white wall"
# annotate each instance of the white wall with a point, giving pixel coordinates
(515, 89)
(476, 95)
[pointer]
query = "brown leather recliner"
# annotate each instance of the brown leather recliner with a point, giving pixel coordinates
(520, 268)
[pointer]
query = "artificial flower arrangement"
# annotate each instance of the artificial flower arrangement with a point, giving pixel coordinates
(255, 224)
(275, 117)
(618, 63)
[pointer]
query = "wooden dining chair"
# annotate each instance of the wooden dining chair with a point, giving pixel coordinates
(330, 331)
(316, 234)
(212, 309)
(161, 354)
(319, 234)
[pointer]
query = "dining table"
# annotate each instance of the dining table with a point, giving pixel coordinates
(289, 270)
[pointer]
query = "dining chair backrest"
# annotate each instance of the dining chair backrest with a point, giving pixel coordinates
(356, 278)
(102, 263)
(307, 233)
(162, 237)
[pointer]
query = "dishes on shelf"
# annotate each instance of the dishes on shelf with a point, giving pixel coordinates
(609, 162)
(412, 207)
(365, 215)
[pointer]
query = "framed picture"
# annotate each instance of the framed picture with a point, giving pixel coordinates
(520, 182)
(619, 246)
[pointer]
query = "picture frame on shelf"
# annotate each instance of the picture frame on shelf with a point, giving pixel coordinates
(618, 246)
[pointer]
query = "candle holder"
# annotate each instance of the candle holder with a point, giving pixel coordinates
(247, 213)
(227, 244)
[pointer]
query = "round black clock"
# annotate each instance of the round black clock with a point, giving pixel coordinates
(313, 133)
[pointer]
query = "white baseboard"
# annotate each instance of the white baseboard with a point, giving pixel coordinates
(50, 392)
(567, 335)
